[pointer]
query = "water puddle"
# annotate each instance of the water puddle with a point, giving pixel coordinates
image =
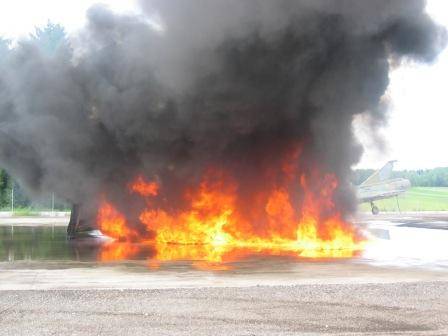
(391, 245)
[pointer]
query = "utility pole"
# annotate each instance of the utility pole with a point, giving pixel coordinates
(398, 204)
(52, 204)
(12, 198)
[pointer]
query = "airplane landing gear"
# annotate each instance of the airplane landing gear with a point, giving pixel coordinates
(375, 210)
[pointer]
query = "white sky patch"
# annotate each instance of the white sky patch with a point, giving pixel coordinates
(417, 131)
(18, 18)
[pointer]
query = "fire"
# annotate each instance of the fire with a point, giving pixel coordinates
(118, 251)
(146, 189)
(293, 216)
(112, 223)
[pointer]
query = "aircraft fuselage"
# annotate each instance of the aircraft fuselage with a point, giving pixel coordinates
(384, 189)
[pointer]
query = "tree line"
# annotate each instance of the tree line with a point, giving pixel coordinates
(11, 193)
(436, 177)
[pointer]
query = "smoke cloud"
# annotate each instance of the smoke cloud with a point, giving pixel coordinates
(189, 84)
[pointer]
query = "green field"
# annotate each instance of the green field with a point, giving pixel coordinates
(415, 199)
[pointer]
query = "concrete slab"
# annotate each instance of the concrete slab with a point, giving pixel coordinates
(34, 221)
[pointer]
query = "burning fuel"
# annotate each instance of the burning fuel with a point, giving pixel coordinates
(221, 127)
(291, 213)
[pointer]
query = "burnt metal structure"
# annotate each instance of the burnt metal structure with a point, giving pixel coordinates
(73, 224)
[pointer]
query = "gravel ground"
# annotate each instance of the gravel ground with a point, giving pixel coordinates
(419, 308)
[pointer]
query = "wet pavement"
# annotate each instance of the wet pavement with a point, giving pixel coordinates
(35, 254)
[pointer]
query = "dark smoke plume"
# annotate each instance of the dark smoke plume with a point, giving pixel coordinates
(187, 84)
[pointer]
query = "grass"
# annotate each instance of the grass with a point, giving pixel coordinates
(415, 199)
(22, 212)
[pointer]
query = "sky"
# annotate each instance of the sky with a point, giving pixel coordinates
(416, 134)
(417, 130)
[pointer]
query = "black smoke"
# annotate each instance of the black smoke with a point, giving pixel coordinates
(189, 84)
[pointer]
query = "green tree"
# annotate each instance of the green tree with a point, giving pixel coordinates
(51, 39)
(437, 177)
(5, 189)
(4, 49)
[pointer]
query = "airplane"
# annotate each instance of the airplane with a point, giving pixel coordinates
(380, 186)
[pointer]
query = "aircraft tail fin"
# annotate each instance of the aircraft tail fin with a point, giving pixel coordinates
(380, 175)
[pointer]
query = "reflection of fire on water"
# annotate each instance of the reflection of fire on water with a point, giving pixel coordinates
(218, 227)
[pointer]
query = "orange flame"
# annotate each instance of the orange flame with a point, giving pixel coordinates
(217, 226)
(117, 251)
(144, 188)
(112, 223)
